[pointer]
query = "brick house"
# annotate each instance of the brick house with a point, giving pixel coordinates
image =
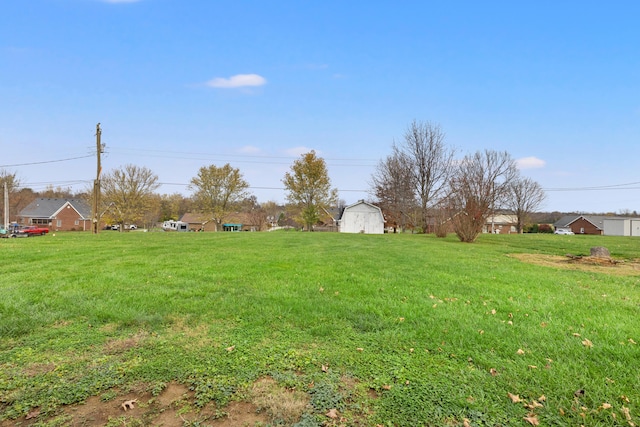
(501, 224)
(582, 224)
(57, 214)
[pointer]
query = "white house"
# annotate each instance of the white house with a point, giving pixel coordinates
(362, 217)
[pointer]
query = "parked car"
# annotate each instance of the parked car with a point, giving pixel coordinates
(32, 230)
(563, 231)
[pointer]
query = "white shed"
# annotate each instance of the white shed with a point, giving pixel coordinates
(362, 217)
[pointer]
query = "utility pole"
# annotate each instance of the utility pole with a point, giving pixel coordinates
(6, 207)
(95, 222)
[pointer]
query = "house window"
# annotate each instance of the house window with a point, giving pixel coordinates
(77, 222)
(58, 223)
(39, 221)
(581, 230)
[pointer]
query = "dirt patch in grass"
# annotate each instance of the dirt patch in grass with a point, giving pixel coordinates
(117, 346)
(583, 263)
(279, 403)
(174, 407)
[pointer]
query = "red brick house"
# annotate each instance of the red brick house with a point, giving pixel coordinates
(582, 224)
(57, 214)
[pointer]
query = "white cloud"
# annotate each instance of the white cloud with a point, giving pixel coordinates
(239, 80)
(250, 149)
(530, 163)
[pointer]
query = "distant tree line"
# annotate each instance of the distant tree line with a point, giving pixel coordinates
(421, 186)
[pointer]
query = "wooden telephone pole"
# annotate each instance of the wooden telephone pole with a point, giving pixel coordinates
(95, 222)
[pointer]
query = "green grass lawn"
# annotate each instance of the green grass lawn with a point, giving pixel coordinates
(392, 330)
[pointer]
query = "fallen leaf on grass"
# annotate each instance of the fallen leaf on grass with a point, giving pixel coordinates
(632, 341)
(532, 419)
(325, 368)
(466, 423)
(542, 398)
(230, 349)
(587, 343)
(627, 414)
(386, 387)
(333, 413)
(520, 351)
(493, 372)
(533, 367)
(605, 406)
(360, 349)
(514, 397)
(533, 405)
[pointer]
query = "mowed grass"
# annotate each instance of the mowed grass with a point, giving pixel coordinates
(394, 330)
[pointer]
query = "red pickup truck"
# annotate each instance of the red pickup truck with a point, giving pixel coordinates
(32, 230)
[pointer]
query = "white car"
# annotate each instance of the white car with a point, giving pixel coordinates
(563, 231)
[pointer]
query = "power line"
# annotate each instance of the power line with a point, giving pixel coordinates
(46, 161)
(271, 160)
(602, 187)
(256, 188)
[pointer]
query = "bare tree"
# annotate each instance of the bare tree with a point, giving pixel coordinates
(128, 194)
(217, 190)
(524, 196)
(480, 182)
(392, 186)
(57, 192)
(429, 162)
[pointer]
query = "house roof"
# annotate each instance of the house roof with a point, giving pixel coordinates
(195, 218)
(49, 207)
(361, 202)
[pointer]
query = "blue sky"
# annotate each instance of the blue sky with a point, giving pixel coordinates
(181, 84)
